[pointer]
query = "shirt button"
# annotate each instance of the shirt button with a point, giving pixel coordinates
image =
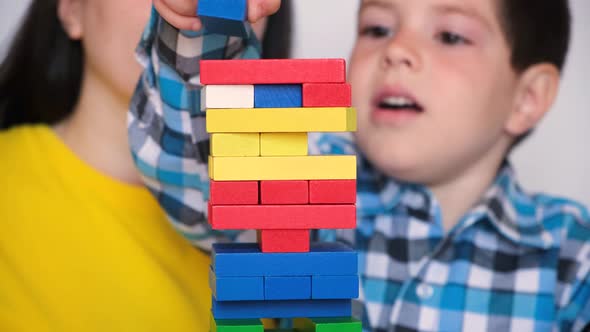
(424, 291)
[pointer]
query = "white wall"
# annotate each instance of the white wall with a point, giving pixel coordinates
(10, 13)
(556, 159)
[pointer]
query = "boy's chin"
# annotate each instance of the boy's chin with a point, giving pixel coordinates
(403, 162)
(407, 176)
(403, 170)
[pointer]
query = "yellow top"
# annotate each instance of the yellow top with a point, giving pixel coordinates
(82, 252)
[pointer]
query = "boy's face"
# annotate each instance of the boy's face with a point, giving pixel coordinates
(433, 85)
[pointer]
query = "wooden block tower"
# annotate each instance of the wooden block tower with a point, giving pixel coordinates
(259, 114)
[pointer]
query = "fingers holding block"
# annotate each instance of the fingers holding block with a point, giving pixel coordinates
(224, 16)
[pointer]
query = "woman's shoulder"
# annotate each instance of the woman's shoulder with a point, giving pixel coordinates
(17, 138)
(18, 144)
(22, 153)
(21, 167)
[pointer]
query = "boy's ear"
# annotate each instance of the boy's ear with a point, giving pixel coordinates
(536, 91)
(70, 15)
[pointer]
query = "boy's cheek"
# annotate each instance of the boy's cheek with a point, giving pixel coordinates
(362, 75)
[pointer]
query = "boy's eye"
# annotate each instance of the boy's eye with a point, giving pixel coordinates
(375, 31)
(450, 38)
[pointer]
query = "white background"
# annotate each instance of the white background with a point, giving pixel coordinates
(556, 159)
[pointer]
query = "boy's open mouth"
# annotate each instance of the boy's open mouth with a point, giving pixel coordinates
(398, 103)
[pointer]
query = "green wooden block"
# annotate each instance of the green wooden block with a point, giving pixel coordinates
(235, 325)
(339, 324)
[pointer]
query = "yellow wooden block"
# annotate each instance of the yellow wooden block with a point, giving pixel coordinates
(235, 145)
(210, 167)
(281, 120)
(282, 168)
(283, 144)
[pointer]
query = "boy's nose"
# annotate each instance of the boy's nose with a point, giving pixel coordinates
(400, 52)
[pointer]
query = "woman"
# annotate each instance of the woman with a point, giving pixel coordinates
(83, 245)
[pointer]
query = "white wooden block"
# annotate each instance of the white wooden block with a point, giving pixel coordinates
(227, 96)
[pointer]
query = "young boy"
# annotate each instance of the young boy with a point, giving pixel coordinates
(448, 240)
(444, 89)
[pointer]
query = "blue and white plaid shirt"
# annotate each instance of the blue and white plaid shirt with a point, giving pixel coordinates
(515, 262)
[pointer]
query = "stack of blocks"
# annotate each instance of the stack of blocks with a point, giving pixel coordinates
(259, 114)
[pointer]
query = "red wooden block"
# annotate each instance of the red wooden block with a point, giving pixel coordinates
(284, 192)
(233, 192)
(284, 240)
(327, 95)
(273, 71)
(332, 192)
(227, 217)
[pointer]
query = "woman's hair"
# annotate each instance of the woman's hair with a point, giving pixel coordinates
(276, 43)
(41, 76)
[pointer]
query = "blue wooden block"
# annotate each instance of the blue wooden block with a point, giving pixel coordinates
(335, 287)
(246, 260)
(281, 309)
(278, 96)
(287, 288)
(236, 288)
(224, 16)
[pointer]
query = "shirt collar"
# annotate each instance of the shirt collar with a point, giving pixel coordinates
(511, 211)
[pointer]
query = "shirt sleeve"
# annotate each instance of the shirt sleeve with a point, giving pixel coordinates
(575, 315)
(166, 126)
(574, 274)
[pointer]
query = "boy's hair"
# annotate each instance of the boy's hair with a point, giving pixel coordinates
(537, 31)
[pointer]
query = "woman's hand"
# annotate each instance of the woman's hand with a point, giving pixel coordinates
(182, 13)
